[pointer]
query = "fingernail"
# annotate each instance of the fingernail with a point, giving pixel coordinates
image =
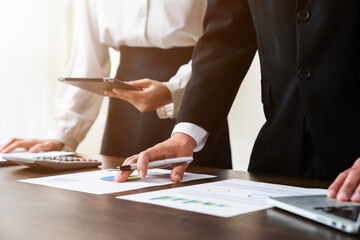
(356, 197)
(140, 173)
(178, 178)
(116, 177)
(342, 195)
(331, 193)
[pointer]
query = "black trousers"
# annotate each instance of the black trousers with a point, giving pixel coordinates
(129, 131)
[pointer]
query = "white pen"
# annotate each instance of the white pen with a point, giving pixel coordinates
(159, 164)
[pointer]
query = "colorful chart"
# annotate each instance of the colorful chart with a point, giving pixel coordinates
(131, 178)
(108, 178)
(189, 201)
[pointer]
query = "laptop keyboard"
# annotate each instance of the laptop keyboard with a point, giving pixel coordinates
(348, 212)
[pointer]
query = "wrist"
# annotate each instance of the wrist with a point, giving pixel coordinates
(199, 134)
(166, 93)
(184, 140)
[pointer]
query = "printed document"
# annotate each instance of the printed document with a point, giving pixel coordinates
(223, 199)
(102, 181)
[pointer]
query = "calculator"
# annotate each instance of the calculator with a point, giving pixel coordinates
(54, 162)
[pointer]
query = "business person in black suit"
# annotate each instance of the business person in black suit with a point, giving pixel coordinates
(310, 66)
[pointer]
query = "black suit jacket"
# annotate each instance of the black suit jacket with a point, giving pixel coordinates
(310, 69)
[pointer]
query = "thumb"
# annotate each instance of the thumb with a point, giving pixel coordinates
(142, 83)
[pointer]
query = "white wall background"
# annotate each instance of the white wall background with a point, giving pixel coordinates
(35, 43)
(35, 39)
(246, 117)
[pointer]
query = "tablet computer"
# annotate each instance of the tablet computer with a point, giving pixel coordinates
(97, 85)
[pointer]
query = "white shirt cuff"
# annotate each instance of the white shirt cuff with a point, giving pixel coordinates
(166, 111)
(177, 94)
(199, 134)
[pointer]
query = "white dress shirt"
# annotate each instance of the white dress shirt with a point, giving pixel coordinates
(103, 24)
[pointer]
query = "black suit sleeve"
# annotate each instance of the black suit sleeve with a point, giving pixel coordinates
(221, 59)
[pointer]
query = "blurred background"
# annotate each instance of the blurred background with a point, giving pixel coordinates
(35, 45)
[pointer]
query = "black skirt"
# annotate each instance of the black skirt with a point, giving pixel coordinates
(129, 131)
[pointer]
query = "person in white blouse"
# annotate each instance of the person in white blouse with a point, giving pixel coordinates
(155, 39)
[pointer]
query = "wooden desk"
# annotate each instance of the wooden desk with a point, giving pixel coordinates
(37, 212)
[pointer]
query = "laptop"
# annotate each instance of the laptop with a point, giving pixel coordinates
(344, 216)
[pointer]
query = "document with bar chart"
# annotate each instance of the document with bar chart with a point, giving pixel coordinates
(223, 199)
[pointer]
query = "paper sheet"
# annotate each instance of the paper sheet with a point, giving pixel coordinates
(101, 182)
(223, 199)
(22, 153)
(1, 159)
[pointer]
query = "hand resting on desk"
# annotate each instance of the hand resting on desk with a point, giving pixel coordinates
(32, 145)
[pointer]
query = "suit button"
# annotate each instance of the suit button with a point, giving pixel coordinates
(304, 73)
(303, 15)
